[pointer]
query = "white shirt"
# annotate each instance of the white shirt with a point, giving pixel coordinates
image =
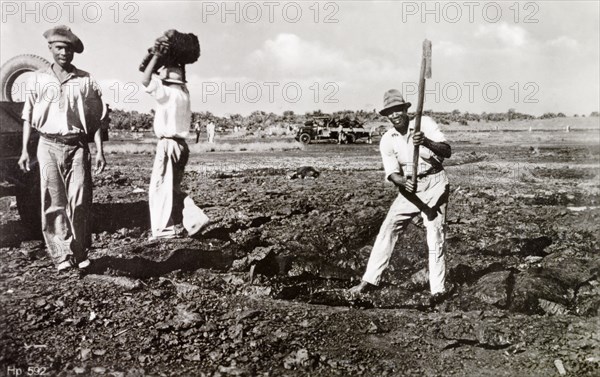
(173, 112)
(63, 108)
(397, 149)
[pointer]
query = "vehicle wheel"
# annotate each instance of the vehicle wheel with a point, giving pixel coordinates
(350, 138)
(29, 205)
(14, 68)
(305, 139)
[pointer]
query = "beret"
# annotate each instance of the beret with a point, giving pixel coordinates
(64, 34)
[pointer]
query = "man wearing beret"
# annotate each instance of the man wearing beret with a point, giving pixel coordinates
(64, 104)
(429, 197)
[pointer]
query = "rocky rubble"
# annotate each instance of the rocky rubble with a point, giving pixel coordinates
(263, 290)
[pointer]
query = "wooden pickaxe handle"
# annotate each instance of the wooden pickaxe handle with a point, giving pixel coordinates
(425, 73)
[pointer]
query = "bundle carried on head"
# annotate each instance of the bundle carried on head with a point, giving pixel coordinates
(184, 48)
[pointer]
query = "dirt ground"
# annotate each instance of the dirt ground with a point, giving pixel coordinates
(262, 290)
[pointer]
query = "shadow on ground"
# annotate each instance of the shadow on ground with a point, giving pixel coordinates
(110, 217)
(12, 233)
(106, 217)
(181, 259)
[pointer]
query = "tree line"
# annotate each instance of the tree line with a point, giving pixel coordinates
(137, 121)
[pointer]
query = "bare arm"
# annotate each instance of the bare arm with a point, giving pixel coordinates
(398, 179)
(401, 182)
(439, 148)
(24, 159)
(147, 77)
(100, 160)
(160, 49)
(406, 188)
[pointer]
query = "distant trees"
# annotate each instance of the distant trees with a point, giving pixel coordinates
(130, 120)
(204, 116)
(133, 120)
(552, 115)
(511, 114)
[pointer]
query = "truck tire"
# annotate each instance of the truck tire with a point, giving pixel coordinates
(14, 68)
(305, 138)
(29, 206)
(28, 192)
(350, 138)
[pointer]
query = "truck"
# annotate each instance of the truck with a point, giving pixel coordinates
(326, 127)
(24, 186)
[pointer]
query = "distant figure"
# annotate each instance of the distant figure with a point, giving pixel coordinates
(568, 129)
(210, 132)
(530, 129)
(341, 134)
(197, 130)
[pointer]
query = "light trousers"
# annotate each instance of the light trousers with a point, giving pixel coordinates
(433, 191)
(66, 195)
(166, 199)
(210, 134)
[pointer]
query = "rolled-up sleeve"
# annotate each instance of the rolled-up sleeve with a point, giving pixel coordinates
(432, 130)
(30, 98)
(94, 88)
(388, 157)
(157, 90)
(94, 98)
(93, 105)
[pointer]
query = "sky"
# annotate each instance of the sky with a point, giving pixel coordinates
(531, 56)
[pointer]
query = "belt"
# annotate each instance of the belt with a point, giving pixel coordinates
(174, 138)
(73, 139)
(427, 173)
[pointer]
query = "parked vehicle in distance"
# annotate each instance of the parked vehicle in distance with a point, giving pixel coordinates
(326, 127)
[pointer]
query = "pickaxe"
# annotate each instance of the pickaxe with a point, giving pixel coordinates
(425, 74)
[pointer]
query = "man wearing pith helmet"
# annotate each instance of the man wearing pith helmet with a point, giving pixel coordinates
(428, 197)
(64, 104)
